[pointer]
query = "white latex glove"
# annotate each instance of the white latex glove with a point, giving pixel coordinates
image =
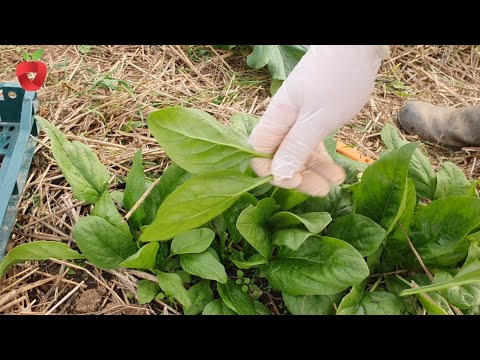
(326, 89)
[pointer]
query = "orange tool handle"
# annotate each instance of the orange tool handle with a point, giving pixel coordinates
(352, 153)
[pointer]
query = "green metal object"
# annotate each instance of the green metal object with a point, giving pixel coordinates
(18, 138)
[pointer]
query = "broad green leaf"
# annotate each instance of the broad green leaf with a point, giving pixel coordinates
(362, 233)
(198, 201)
(243, 124)
(192, 241)
(396, 240)
(252, 225)
(117, 196)
(314, 221)
(87, 176)
(37, 54)
(241, 263)
(395, 286)
(359, 302)
(136, 186)
(441, 226)
(201, 295)
(452, 258)
(237, 300)
(105, 208)
(218, 307)
(311, 304)
(469, 274)
(292, 238)
(144, 258)
(338, 203)
(171, 285)
(289, 198)
(231, 215)
(38, 250)
(204, 265)
(103, 244)
(172, 177)
(420, 170)
(321, 266)
(260, 309)
(147, 290)
(280, 59)
(381, 194)
(352, 168)
(197, 142)
(331, 144)
(451, 181)
(464, 296)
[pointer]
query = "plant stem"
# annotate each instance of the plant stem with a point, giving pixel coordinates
(375, 285)
(417, 255)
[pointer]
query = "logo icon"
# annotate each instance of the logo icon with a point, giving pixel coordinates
(31, 65)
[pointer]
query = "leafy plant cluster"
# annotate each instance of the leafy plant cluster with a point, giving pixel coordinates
(398, 238)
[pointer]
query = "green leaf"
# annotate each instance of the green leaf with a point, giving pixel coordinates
(451, 181)
(338, 203)
(280, 59)
(195, 140)
(204, 265)
(231, 215)
(26, 56)
(78, 163)
(252, 225)
(433, 303)
(237, 300)
(440, 226)
(198, 201)
(147, 290)
(201, 295)
(420, 169)
(396, 240)
(38, 250)
(469, 274)
(463, 296)
(289, 198)
(243, 124)
(37, 54)
(135, 187)
(321, 266)
(260, 309)
(362, 233)
(172, 285)
(381, 194)
(106, 209)
(358, 302)
(314, 222)
(292, 238)
(473, 254)
(311, 304)
(275, 85)
(103, 244)
(192, 241)
(172, 178)
(144, 258)
(117, 197)
(218, 307)
(241, 263)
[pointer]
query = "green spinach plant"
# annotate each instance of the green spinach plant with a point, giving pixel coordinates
(397, 238)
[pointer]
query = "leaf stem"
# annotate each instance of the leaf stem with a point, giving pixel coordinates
(417, 255)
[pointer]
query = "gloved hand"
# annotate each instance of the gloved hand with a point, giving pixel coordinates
(326, 89)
